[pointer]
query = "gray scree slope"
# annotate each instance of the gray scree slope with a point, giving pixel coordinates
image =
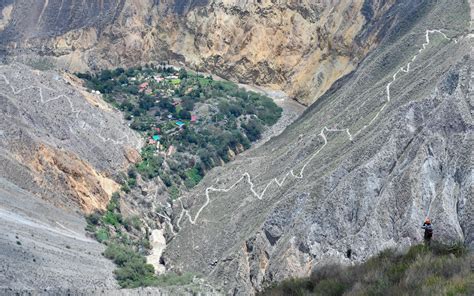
(42, 239)
(360, 170)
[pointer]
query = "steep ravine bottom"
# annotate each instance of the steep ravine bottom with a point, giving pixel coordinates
(168, 106)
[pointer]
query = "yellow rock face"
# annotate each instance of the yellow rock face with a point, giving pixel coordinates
(73, 176)
(300, 47)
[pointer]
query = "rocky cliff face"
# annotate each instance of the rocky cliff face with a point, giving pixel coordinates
(301, 47)
(387, 146)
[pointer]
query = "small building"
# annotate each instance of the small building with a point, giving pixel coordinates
(193, 118)
(151, 141)
(180, 123)
(171, 150)
(143, 86)
(156, 138)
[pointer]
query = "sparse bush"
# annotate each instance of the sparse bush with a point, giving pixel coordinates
(112, 218)
(421, 270)
(173, 279)
(93, 218)
(102, 235)
(133, 270)
(174, 192)
(125, 188)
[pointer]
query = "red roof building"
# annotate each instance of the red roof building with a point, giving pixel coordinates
(193, 118)
(143, 86)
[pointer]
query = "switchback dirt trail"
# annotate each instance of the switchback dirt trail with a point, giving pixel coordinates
(300, 174)
(121, 141)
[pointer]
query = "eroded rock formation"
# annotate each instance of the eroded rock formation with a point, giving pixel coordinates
(301, 47)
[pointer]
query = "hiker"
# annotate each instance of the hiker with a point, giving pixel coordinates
(428, 231)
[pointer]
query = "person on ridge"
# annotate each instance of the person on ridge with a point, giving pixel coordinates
(428, 231)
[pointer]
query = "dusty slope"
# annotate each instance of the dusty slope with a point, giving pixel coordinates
(45, 251)
(360, 170)
(56, 142)
(302, 46)
(39, 243)
(59, 152)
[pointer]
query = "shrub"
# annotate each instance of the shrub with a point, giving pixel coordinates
(112, 218)
(291, 287)
(183, 114)
(173, 279)
(93, 218)
(420, 271)
(133, 270)
(114, 203)
(102, 235)
(166, 179)
(174, 192)
(132, 182)
(125, 188)
(136, 222)
(253, 129)
(150, 165)
(330, 287)
(456, 248)
(192, 177)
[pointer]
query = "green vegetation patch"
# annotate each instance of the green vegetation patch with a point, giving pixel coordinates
(191, 122)
(127, 248)
(438, 270)
(132, 271)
